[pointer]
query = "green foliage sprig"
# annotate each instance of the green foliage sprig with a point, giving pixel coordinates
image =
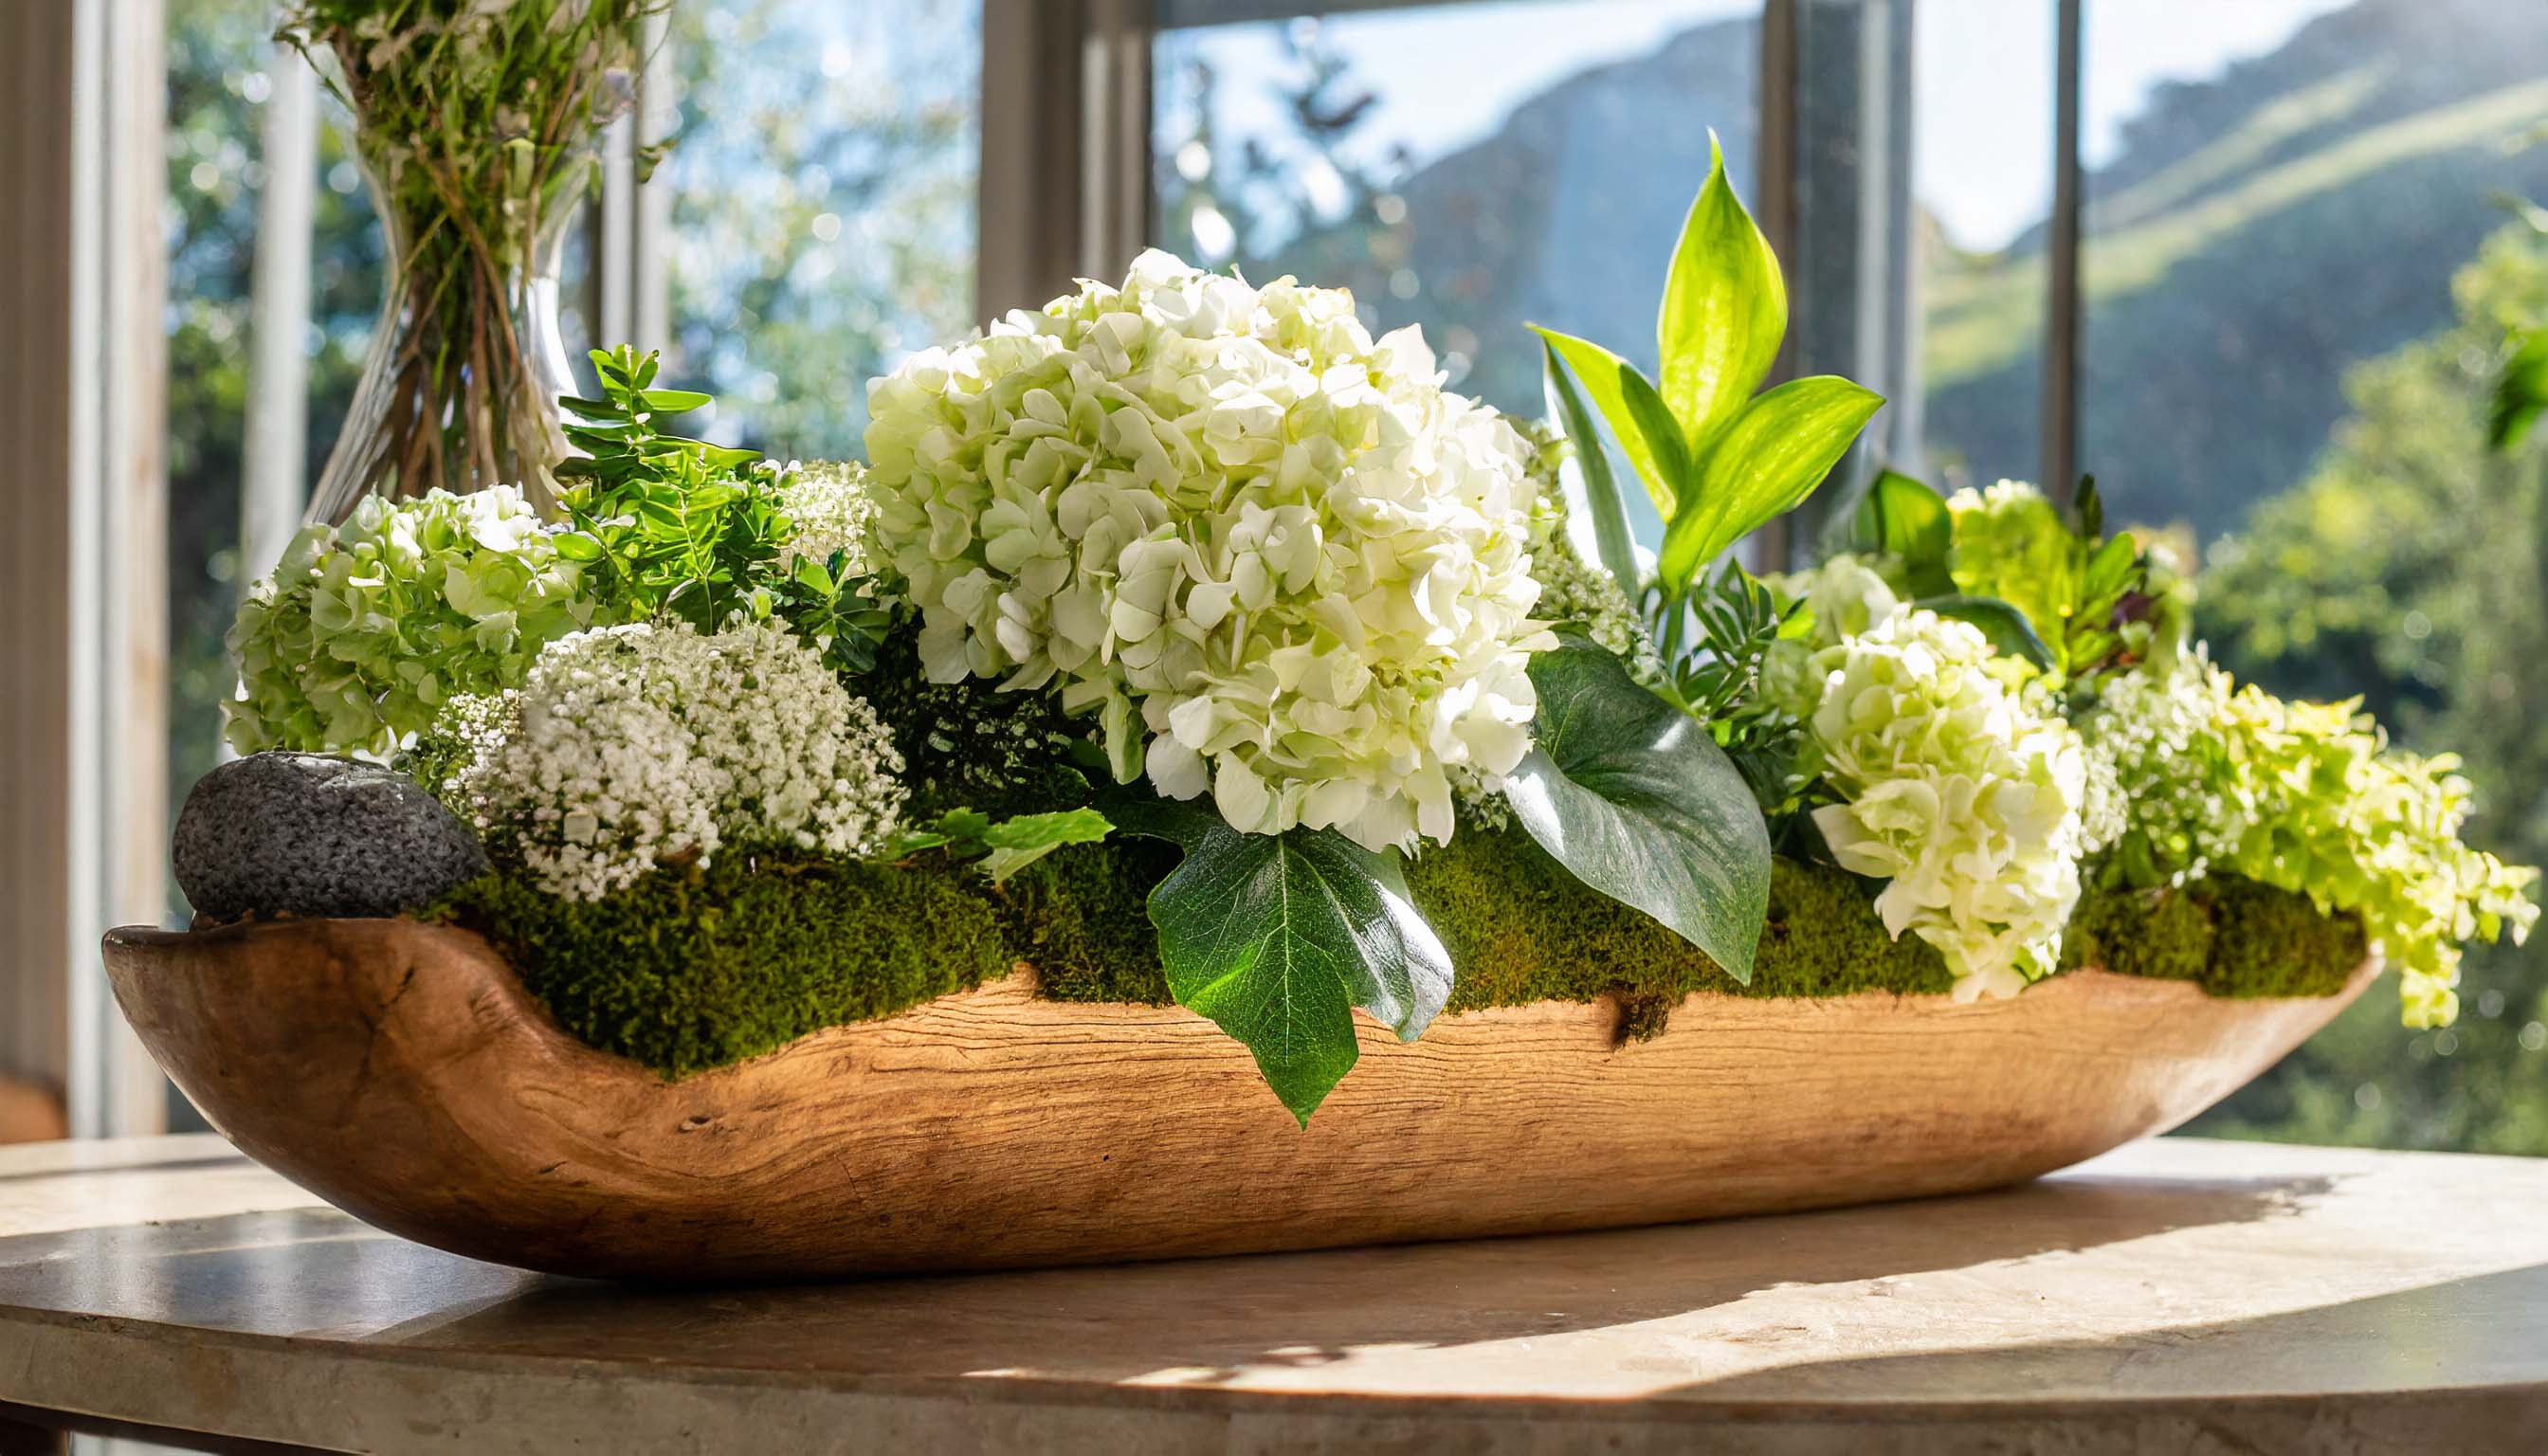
(2052, 590)
(1723, 682)
(1718, 459)
(666, 524)
(1004, 846)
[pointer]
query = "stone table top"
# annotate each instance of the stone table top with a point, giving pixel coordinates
(2173, 1295)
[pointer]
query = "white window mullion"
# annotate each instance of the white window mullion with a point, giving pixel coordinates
(631, 256)
(274, 473)
(116, 546)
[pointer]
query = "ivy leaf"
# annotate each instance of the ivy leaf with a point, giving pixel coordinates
(2009, 631)
(1277, 937)
(1770, 456)
(1724, 311)
(1635, 797)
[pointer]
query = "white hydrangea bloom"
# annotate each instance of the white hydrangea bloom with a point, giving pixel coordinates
(834, 512)
(1281, 564)
(1969, 800)
(631, 747)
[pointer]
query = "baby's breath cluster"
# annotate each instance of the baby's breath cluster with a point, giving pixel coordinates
(2306, 796)
(633, 747)
(831, 509)
(1969, 798)
(1273, 556)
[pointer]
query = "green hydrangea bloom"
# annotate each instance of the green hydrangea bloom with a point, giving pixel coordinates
(366, 629)
(2013, 544)
(2306, 797)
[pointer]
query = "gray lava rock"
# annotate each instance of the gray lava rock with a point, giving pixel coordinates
(306, 834)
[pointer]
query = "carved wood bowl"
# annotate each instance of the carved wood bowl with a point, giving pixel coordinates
(400, 1071)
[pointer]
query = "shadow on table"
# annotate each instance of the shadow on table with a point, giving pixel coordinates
(313, 1271)
(1208, 1318)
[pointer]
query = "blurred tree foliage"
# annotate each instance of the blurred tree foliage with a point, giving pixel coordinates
(218, 55)
(2411, 566)
(823, 175)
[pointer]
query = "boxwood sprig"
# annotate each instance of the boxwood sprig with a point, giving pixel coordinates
(669, 525)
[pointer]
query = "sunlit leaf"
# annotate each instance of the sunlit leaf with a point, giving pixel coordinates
(1769, 457)
(1724, 310)
(1903, 517)
(1609, 508)
(1634, 412)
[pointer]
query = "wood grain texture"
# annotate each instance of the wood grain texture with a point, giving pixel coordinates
(400, 1071)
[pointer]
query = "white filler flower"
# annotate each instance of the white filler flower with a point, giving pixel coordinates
(833, 511)
(1279, 560)
(631, 747)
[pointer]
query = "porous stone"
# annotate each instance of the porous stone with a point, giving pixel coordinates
(308, 834)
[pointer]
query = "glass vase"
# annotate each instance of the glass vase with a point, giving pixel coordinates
(461, 383)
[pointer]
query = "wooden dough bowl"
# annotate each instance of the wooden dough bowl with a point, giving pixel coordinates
(400, 1071)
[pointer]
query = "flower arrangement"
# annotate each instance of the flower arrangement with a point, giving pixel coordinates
(1229, 658)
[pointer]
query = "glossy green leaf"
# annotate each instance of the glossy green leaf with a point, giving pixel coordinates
(2010, 632)
(1903, 517)
(1018, 841)
(1277, 937)
(576, 546)
(1608, 507)
(1634, 412)
(1636, 800)
(1769, 457)
(1724, 310)
(674, 402)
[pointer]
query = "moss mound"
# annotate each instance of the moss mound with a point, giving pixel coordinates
(2232, 937)
(693, 968)
(1522, 928)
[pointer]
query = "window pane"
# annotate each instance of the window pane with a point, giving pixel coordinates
(823, 208)
(219, 54)
(1981, 159)
(1465, 168)
(2300, 268)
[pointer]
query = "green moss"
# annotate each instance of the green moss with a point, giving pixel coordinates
(2233, 937)
(1521, 928)
(689, 969)
(1080, 917)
